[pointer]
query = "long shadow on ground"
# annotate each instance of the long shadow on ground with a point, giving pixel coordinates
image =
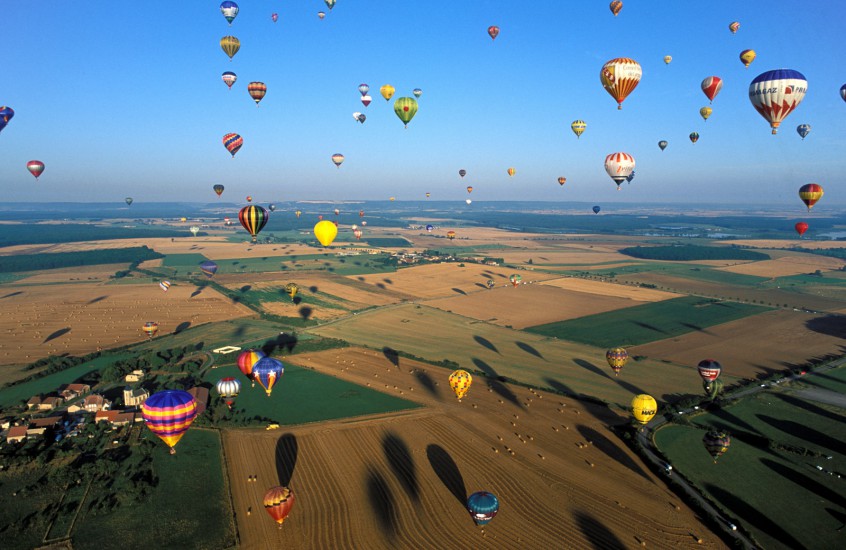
(382, 501)
(402, 464)
(611, 449)
(286, 458)
(595, 531)
(447, 471)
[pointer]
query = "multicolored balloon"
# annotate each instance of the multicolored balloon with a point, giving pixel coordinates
(218, 189)
(617, 359)
(619, 77)
(515, 279)
(716, 442)
(709, 370)
(711, 86)
(229, 10)
(668, 59)
(363, 88)
(274, 17)
(733, 26)
(562, 180)
(810, 193)
(164, 285)
(803, 130)
(451, 234)
(615, 7)
(482, 506)
(169, 414)
(6, 114)
(233, 143)
(405, 108)
(321, 14)
(511, 172)
(578, 127)
(366, 99)
(247, 359)
(253, 218)
(257, 91)
(267, 372)
(229, 78)
(644, 407)
(338, 159)
(775, 94)
(325, 231)
(357, 233)
(493, 32)
(228, 388)
(469, 188)
(209, 268)
(35, 167)
(429, 228)
(278, 502)
(747, 57)
(705, 113)
(330, 4)
(230, 46)
(417, 92)
(460, 381)
(619, 166)
(150, 328)
(663, 144)
(387, 91)
(694, 137)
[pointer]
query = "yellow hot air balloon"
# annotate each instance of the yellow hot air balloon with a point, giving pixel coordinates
(511, 172)
(387, 92)
(705, 112)
(578, 127)
(460, 381)
(325, 231)
(619, 77)
(747, 57)
(230, 46)
(644, 408)
(667, 59)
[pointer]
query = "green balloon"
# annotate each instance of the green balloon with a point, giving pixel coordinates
(405, 108)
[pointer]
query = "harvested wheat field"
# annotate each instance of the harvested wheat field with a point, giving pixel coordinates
(347, 291)
(793, 264)
(746, 348)
(444, 279)
(773, 243)
(85, 273)
(80, 318)
(543, 362)
(601, 288)
(529, 305)
(562, 477)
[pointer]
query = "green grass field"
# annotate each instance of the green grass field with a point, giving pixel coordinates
(189, 507)
(777, 494)
(179, 260)
(647, 323)
(22, 502)
(303, 395)
(834, 380)
(387, 242)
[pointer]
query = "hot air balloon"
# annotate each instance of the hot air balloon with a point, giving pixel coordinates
(321, 14)
(274, 17)
(468, 201)
(733, 26)
(209, 268)
(578, 127)
(511, 172)
(169, 414)
(596, 209)
(775, 94)
(428, 195)
(801, 227)
(644, 408)
(694, 137)
(450, 234)
(229, 78)
(35, 167)
(194, 229)
(562, 180)
(620, 77)
(233, 143)
(810, 193)
(803, 130)
(462, 172)
(363, 88)
(617, 359)
(668, 59)
(271, 207)
(330, 4)
(227, 221)
(338, 159)
(619, 166)
(150, 328)
(6, 114)
(366, 99)
(253, 218)
(405, 108)
(183, 219)
(230, 46)
(278, 502)
(469, 188)
(387, 91)
(364, 223)
(490, 283)
(392, 199)
(257, 91)
(325, 231)
(361, 118)
(128, 200)
(249, 198)
(663, 144)
(229, 10)
(493, 31)
(430, 228)
(337, 212)
(218, 189)
(842, 96)
(228, 388)
(709, 370)
(711, 86)
(716, 443)
(747, 57)
(417, 92)
(482, 506)
(298, 213)
(460, 381)
(357, 233)
(247, 359)
(356, 115)
(267, 372)
(615, 7)
(705, 112)
(515, 279)
(291, 290)
(164, 285)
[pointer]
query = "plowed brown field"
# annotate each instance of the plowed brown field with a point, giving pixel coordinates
(401, 481)
(787, 265)
(635, 293)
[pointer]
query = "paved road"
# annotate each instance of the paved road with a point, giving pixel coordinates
(823, 396)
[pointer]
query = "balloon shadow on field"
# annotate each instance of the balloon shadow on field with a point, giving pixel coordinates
(480, 285)
(305, 312)
(529, 349)
(495, 382)
(286, 458)
(428, 383)
(9, 295)
(597, 533)
(402, 464)
(810, 407)
(697, 328)
(296, 300)
(458, 291)
(282, 341)
(57, 334)
(591, 367)
(200, 288)
(312, 288)
(486, 343)
(447, 471)
(391, 355)
(752, 516)
(181, 327)
(245, 288)
(97, 299)
(806, 433)
(649, 327)
(382, 501)
(805, 482)
(831, 325)
(611, 449)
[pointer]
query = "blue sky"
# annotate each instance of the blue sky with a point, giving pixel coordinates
(125, 99)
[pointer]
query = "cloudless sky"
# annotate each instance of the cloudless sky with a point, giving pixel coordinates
(125, 99)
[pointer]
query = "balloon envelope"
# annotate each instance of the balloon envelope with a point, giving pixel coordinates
(619, 77)
(209, 268)
(363, 88)
(776, 94)
(128, 200)
(405, 108)
(325, 231)
(247, 360)
(229, 10)
(150, 328)
(169, 414)
(387, 91)
(562, 180)
(228, 388)
(596, 209)
(747, 57)
(709, 369)
(278, 502)
(253, 218)
(164, 285)
(619, 166)
(644, 408)
(803, 130)
(617, 359)
(716, 442)
(35, 167)
(615, 7)
(694, 137)
(229, 78)
(230, 46)
(460, 381)
(493, 32)
(801, 227)
(662, 144)
(482, 506)
(810, 193)
(267, 372)
(668, 59)
(578, 127)
(257, 91)
(218, 189)
(417, 92)
(233, 143)
(338, 159)
(711, 86)
(6, 114)
(733, 26)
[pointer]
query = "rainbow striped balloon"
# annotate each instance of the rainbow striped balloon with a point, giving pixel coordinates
(247, 359)
(164, 285)
(253, 218)
(169, 414)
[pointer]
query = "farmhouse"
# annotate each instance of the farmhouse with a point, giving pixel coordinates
(94, 403)
(135, 376)
(49, 403)
(16, 434)
(33, 402)
(72, 391)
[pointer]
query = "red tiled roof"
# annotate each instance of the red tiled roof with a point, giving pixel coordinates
(16, 431)
(47, 422)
